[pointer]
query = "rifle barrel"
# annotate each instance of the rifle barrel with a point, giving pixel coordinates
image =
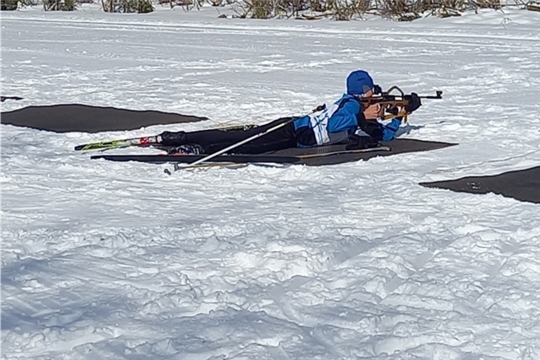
(437, 96)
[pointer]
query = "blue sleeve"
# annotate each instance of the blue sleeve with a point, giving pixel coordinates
(301, 122)
(389, 130)
(344, 119)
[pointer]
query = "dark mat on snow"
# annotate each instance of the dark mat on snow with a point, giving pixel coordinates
(91, 119)
(325, 155)
(523, 185)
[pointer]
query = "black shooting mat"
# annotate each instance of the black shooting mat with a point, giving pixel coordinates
(523, 185)
(91, 119)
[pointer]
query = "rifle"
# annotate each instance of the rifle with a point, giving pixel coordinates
(393, 105)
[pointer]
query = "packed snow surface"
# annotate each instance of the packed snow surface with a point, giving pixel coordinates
(104, 260)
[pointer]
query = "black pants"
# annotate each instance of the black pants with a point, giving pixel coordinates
(217, 139)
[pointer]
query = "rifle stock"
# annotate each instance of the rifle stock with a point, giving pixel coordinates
(394, 105)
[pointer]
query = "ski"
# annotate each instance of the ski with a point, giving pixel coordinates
(188, 159)
(345, 152)
(297, 158)
(233, 158)
(144, 140)
(120, 143)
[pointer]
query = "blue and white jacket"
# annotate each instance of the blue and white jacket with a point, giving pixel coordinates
(337, 122)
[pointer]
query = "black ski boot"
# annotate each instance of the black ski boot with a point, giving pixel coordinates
(189, 149)
(169, 138)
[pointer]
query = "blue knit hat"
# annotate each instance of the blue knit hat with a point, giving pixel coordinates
(359, 82)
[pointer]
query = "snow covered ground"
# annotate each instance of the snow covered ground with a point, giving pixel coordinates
(105, 260)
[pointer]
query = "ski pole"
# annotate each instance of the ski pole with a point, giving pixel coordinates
(234, 146)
